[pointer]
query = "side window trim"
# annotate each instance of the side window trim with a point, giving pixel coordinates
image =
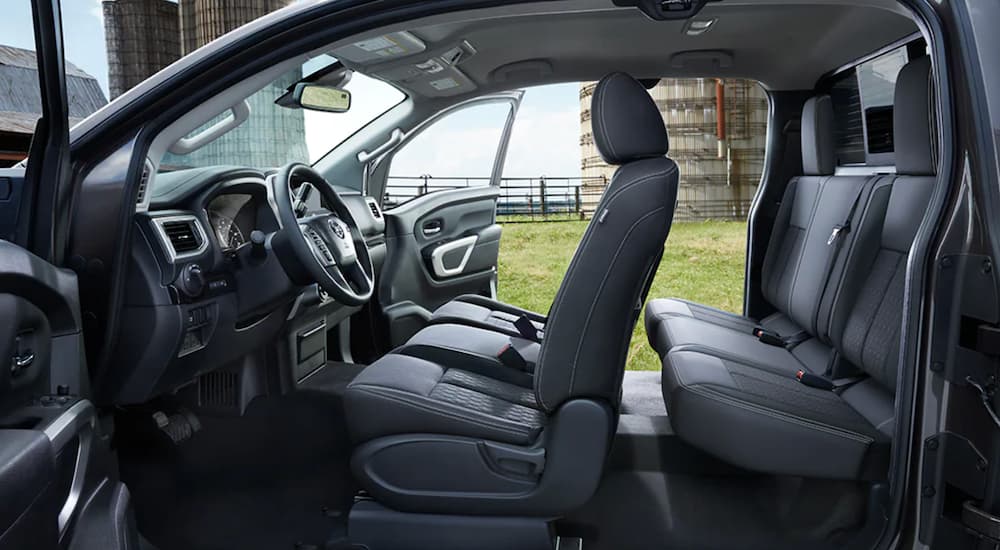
(382, 165)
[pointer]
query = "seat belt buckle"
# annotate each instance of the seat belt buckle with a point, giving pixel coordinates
(768, 337)
(835, 234)
(815, 381)
(510, 357)
(527, 329)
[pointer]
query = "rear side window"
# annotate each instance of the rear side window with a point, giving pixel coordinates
(863, 105)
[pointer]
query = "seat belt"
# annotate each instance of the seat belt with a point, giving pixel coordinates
(527, 329)
(511, 357)
(772, 338)
(835, 240)
(824, 383)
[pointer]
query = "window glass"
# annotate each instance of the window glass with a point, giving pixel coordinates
(720, 164)
(456, 151)
(863, 106)
(274, 135)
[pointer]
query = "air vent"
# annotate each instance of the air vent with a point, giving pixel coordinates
(143, 184)
(374, 208)
(219, 389)
(182, 236)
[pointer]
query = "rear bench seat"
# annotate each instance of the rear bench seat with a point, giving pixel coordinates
(803, 261)
(737, 398)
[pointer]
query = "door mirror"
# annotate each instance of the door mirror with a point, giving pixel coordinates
(317, 97)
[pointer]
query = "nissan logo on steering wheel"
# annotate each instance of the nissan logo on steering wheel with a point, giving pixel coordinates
(337, 229)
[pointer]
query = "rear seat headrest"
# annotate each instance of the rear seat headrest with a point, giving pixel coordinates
(914, 120)
(818, 154)
(627, 125)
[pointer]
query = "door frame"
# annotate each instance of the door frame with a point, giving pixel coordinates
(377, 170)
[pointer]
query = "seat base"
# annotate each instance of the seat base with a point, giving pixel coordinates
(378, 528)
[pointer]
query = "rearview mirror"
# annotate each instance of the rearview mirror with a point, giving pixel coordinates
(317, 97)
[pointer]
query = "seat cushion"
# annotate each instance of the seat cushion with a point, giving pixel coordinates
(474, 350)
(677, 332)
(769, 422)
(399, 394)
(659, 309)
(481, 312)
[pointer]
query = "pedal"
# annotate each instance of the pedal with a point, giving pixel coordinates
(569, 543)
(179, 427)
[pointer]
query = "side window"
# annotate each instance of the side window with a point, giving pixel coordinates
(456, 151)
(863, 104)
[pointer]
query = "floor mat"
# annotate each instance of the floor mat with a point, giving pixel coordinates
(642, 393)
(276, 478)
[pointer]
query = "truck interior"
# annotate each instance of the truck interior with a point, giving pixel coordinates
(297, 364)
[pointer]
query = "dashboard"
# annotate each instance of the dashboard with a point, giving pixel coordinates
(200, 295)
(232, 217)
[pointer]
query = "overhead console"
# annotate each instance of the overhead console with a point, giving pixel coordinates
(404, 59)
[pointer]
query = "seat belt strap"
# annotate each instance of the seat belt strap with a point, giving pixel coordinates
(836, 239)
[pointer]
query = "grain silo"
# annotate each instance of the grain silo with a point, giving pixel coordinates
(142, 37)
(720, 161)
(253, 143)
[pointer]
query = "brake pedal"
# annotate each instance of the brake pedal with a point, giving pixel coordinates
(179, 427)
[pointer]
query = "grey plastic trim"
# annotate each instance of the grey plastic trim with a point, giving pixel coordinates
(79, 420)
(395, 138)
(437, 256)
(168, 247)
(239, 114)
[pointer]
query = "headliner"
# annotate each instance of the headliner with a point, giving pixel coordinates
(783, 44)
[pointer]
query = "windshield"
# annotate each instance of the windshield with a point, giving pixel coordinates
(273, 135)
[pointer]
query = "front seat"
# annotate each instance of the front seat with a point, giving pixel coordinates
(443, 438)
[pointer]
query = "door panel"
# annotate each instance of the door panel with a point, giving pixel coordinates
(439, 246)
(55, 465)
(442, 243)
(47, 426)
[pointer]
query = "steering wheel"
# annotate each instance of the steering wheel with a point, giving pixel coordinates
(321, 246)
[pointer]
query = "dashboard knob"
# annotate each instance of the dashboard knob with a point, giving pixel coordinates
(192, 280)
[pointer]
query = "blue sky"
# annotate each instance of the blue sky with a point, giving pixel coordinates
(545, 139)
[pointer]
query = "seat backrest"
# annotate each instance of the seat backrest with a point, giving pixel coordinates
(590, 324)
(866, 325)
(800, 257)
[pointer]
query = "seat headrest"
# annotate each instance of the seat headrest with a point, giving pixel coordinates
(913, 120)
(818, 151)
(627, 125)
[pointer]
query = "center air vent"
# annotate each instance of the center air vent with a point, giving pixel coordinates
(182, 236)
(374, 208)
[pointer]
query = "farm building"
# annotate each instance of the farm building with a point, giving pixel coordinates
(21, 102)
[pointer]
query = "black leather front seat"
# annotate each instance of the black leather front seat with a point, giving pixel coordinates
(449, 437)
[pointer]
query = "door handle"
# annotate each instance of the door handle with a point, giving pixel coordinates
(432, 227)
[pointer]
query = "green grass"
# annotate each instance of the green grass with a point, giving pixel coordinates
(703, 262)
